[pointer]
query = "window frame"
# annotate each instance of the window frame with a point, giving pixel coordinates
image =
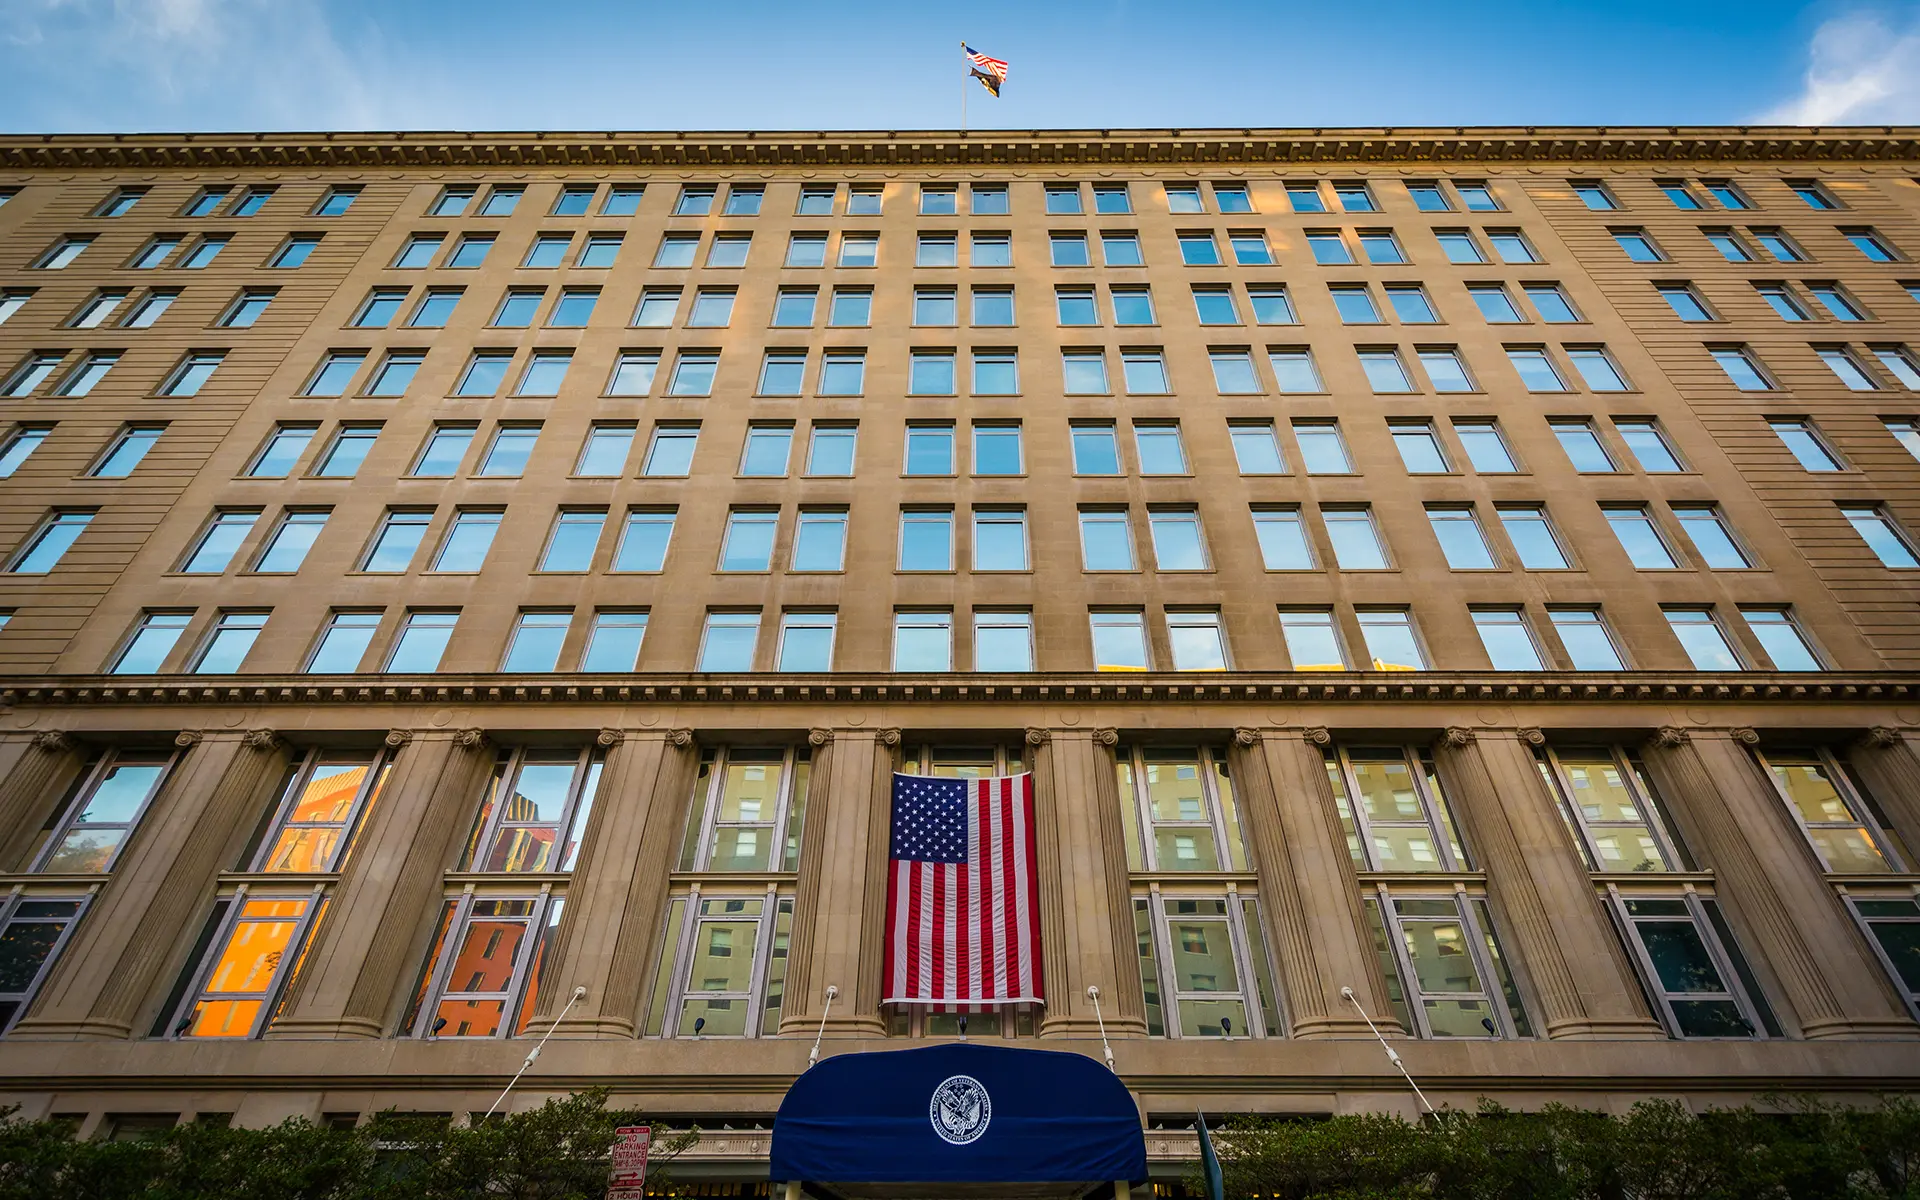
(65, 820)
(1662, 1001)
(1436, 816)
(1858, 806)
(231, 913)
(456, 916)
(1469, 908)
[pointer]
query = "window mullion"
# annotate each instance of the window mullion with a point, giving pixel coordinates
(1564, 782)
(203, 970)
(1430, 806)
(1243, 960)
(283, 971)
(1143, 809)
(443, 970)
(1163, 946)
(710, 818)
(1362, 824)
(1730, 980)
(689, 933)
(1409, 978)
(762, 954)
(1490, 989)
(782, 804)
(490, 831)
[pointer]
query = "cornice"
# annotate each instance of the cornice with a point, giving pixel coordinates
(886, 149)
(1439, 687)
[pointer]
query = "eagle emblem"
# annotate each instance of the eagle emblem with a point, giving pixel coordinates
(960, 1110)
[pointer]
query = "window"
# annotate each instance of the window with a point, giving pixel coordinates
(517, 308)
(1145, 372)
(126, 451)
(1711, 536)
(937, 250)
(1255, 448)
(1906, 432)
(1354, 303)
(1069, 249)
(87, 834)
(1312, 639)
(349, 448)
(926, 539)
(1680, 949)
(1379, 246)
(923, 640)
(152, 641)
(1495, 305)
(1536, 370)
(1440, 953)
(1678, 192)
(996, 449)
(1839, 305)
(335, 372)
(816, 200)
(1132, 305)
(1063, 198)
(1384, 370)
(1870, 244)
(1459, 246)
(336, 202)
(1552, 304)
(820, 540)
(1304, 197)
(1779, 245)
(1597, 368)
(743, 200)
(575, 308)
(119, 202)
(397, 540)
(534, 644)
(676, 250)
(1159, 448)
(1461, 538)
(152, 253)
(1075, 306)
(247, 308)
(445, 450)
(1806, 445)
(996, 373)
(792, 307)
(722, 965)
(1781, 299)
(1638, 245)
(729, 250)
(204, 252)
(1322, 450)
(1355, 538)
(1109, 199)
(219, 541)
(1120, 249)
(192, 373)
(343, 643)
(931, 373)
(1648, 445)
(395, 372)
(1106, 540)
(806, 641)
(1512, 246)
(613, 643)
(712, 308)
(1485, 446)
(21, 443)
(62, 253)
(1392, 644)
(644, 540)
(295, 251)
(1702, 638)
(1893, 927)
(830, 450)
(1283, 539)
(990, 199)
(1250, 248)
(633, 373)
(1728, 243)
(226, 644)
(31, 374)
(570, 546)
(671, 451)
(1889, 543)
(149, 310)
(1002, 640)
(34, 929)
(1393, 810)
(1000, 539)
(766, 450)
(1181, 198)
(468, 538)
(499, 947)
(1640, 537)
(1508, 639)
(749, 805)
(1685, 301)
(696, 200)
(862, 250)
(1095, 451)
(1180, 811)
(1586, 639)
(693, 372)
(90, 370)
(935, 306)
(1410, 304)
(1233, 372)
(1446, 370)
(452, 202)
(422, 641)
(1329, 248)
(748, 542)
(12, 302)
(1729, 195)
(1119, 640)
(1780, 635)
(992, 250)
(1901, 364)
(1213, 305)
(1531, 534)
(843, 373)
(286, 547)
(1847, 368)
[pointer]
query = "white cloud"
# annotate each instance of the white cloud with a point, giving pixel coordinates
(188, 64)
(1862, 70)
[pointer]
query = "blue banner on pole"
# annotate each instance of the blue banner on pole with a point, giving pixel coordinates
(959, 1113)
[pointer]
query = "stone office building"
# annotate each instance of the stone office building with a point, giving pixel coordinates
(1473, 568)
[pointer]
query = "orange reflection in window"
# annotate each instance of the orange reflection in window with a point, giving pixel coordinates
(245, 970)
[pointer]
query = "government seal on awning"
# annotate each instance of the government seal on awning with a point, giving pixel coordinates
(960, 1109)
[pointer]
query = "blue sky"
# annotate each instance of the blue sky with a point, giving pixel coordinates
(90, 65)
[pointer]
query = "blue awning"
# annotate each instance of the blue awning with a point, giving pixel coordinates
(958, 1113)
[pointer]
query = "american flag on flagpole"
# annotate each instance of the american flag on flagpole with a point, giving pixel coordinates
(990, 71)
(963, 901)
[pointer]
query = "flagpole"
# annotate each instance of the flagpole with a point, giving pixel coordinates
(964, 81)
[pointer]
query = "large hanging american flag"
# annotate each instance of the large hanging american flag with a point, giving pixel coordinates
(990, 71)
(963, 901)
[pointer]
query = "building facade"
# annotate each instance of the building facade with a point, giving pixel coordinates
(462, 586)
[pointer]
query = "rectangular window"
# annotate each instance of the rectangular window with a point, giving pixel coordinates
(91, 828)
(991, 250)
(926, 540)
(1250, 248)
(1889, 543)
(464, 547)
(1512, 246)
(575, 537)
(1002, 640)
(227, 642)
(1384, 370)
(782, 373)
(1180, 813)
(1442, 966)
(1233, 372)
(1584, 635)
(397, 540)
(152, 642)
(1892, 923)
(996, 449)
(1461, 539)
(534, 645)
(613, 643)
(935, 306)
(748, 542)
(349, 448)
(1283, 539)
(670, 453)
(693, 372)
(743, 200)
(507, 455)
(422, 641)
(1329, 248)
(34, 929)
(1106, 540)
(1597, 369)
(1459, 246)
(192, 373)
(1711, 535)
(1410, 304)
(21, 443)
(1178, 544)
(696, 200)
(153, 252)
(766, 451)
(676, 251)
(1495, 305)
(1531, 534)
(830, 450)
(1379, 247)
(1846, 368)
(1593, 194)
(990, 199)
(31, 374)
(996, 373)
(1419, 447)
(923, 640)
(1677, 947)
(1900, 363)
(1119, 640)
(248, 307)
(1121, 249)
(1638, 245)
(1313, 640)
(1000, 539)
(286, 547)
(1198, 249)
(62, 253)
(1870, 244)
(1213, 305)
(937, 250)
(12, 302)
(1084, 372)
(1159, 448)
(1640, 537)
(88, 373)
(1702, 638)
(1648, 444)
(574, 201)
(343, 643)
(1322, 450)
(792, 308)
(253, 943)
(1806, 445)
(1904, 431)
(843, 373)
(1145, 372)
(219, 541)
(1508, 639)
(1355, 539)
(1394, 812)
(204, 252)
(1780, 635)
(1354, 303)
(644, 540)
(1131, 306)
(1256, 450)
(1391, 640)
(820, 540)
(484, 975)
(1095, 450)
(931, 373)
(806, 641)
(1536, 370)
(575, 308)
(395, 372)
(1305, 197)
(633, 373)
(861, 250)
(295, 251)
(1069, 249)
(445, 450)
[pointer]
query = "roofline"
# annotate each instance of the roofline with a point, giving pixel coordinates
(946, 147)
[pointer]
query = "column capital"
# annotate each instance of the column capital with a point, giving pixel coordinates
(188, 737)
(1745, 735)
(889, 736)
(1531, 735)
(1668, 736)
(1455, 735)
(396, 738)
(1038, 737)
(1317, 735)
(1880, 737)
(1107, 737)
(680, 737)
(54, 741)
(607, 739)
(260, 739)
(819, 737)
(1245, 736)
(470, 739)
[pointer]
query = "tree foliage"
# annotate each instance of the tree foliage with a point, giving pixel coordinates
(1800, 1149)
(556, 1152)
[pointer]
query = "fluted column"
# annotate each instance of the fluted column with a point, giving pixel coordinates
(34, 769)
(840, 896)
(611, 932)
(1888, 759)
(382, 912)
(161, 889)
(1771, 884)
(1310, 898)
(1086, 905)
(1540, 888)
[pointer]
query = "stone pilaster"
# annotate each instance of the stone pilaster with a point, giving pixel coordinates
(610, 935)
(839, 911)
(35, 768)
(1888, 760)
(1086, 905)
(382, 912)
(1540, 889)
(1771, 884)
(1310, 897)
(161, 888)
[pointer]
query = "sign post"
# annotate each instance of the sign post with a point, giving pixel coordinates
(627, 1179)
